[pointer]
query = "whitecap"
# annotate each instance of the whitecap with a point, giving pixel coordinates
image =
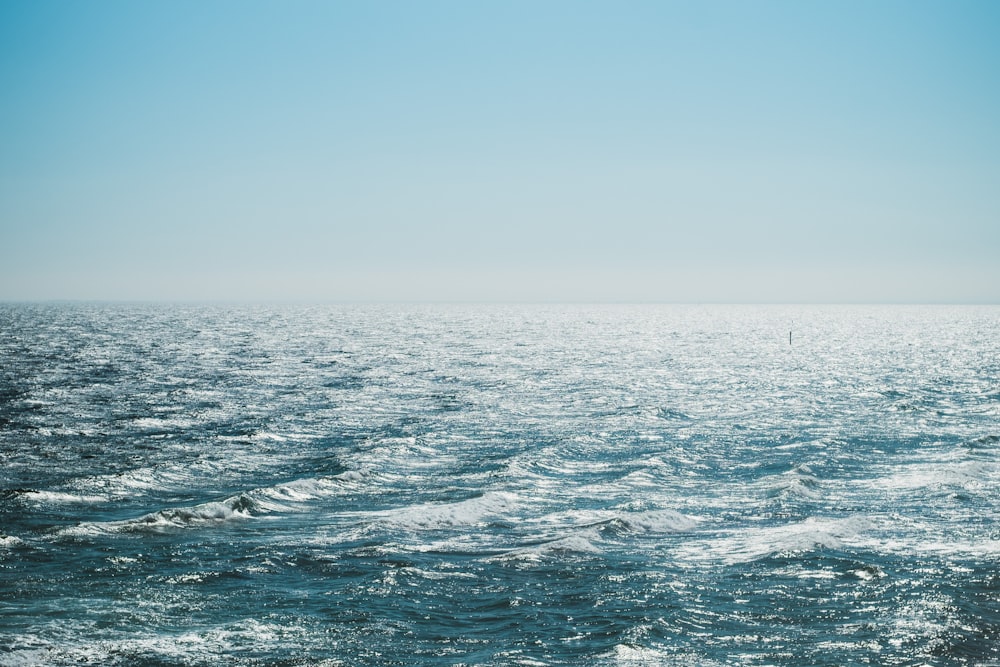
(579, 543)
(800, 483)
(468, 512)
(206, 514)
(968, 475)
(62, 497)
(163, 423)
(574, 544)
(286, 497)
(274, 437)
(193, 647)
(235, 508)
(628, 655)
(9, 541)
(349, 476)
(30, 657)
(303, 490)
(657, 521)
(751, 544)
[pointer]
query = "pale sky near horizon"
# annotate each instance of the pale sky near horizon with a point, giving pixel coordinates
(710, 151)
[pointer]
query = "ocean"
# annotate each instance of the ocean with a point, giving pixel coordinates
(499, 485)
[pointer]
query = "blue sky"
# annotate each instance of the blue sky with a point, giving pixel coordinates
(579, 151)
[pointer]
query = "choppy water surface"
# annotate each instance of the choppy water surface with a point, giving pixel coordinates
(499, 485)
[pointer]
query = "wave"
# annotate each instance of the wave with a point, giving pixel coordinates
(583, 542)
(62, 497)
(168, 520)
(799, 483)
(280, 498)
(652, 522)
(755, 543)
(969, 476)
(621, 522)
(432, 516)
(155, 478)
(984, 442)
(9, 541)
(208, 645)
(306, 489)
(628, 655)
(587, 531)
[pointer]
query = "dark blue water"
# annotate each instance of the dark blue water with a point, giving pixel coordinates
(499, 485)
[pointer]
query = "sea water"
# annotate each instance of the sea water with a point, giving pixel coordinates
(499, 485)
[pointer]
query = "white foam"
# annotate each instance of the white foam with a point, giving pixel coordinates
(31, 657)
(750, 544)
(62, 497)
(798, 483)
(196, 647)
(658, 521)
(650, 521)
(274, 437)
(639, 478)
(581, 542)
(448, 515)
(146, 479)
(163, 423)
(628, 655)
(198, 515)
(574, 544)
(923, 539)
(287, 497)
(968, 475)
(636, 655)
(302, 490)
(206, 514)
(8, 541)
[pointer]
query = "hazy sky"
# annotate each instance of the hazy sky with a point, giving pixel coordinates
(542, 150)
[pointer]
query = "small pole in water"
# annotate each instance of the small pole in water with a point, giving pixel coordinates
(789, 337)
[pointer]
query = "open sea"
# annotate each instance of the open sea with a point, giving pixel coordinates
(499, 485)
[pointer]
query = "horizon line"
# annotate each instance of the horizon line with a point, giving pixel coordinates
(551, 302)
